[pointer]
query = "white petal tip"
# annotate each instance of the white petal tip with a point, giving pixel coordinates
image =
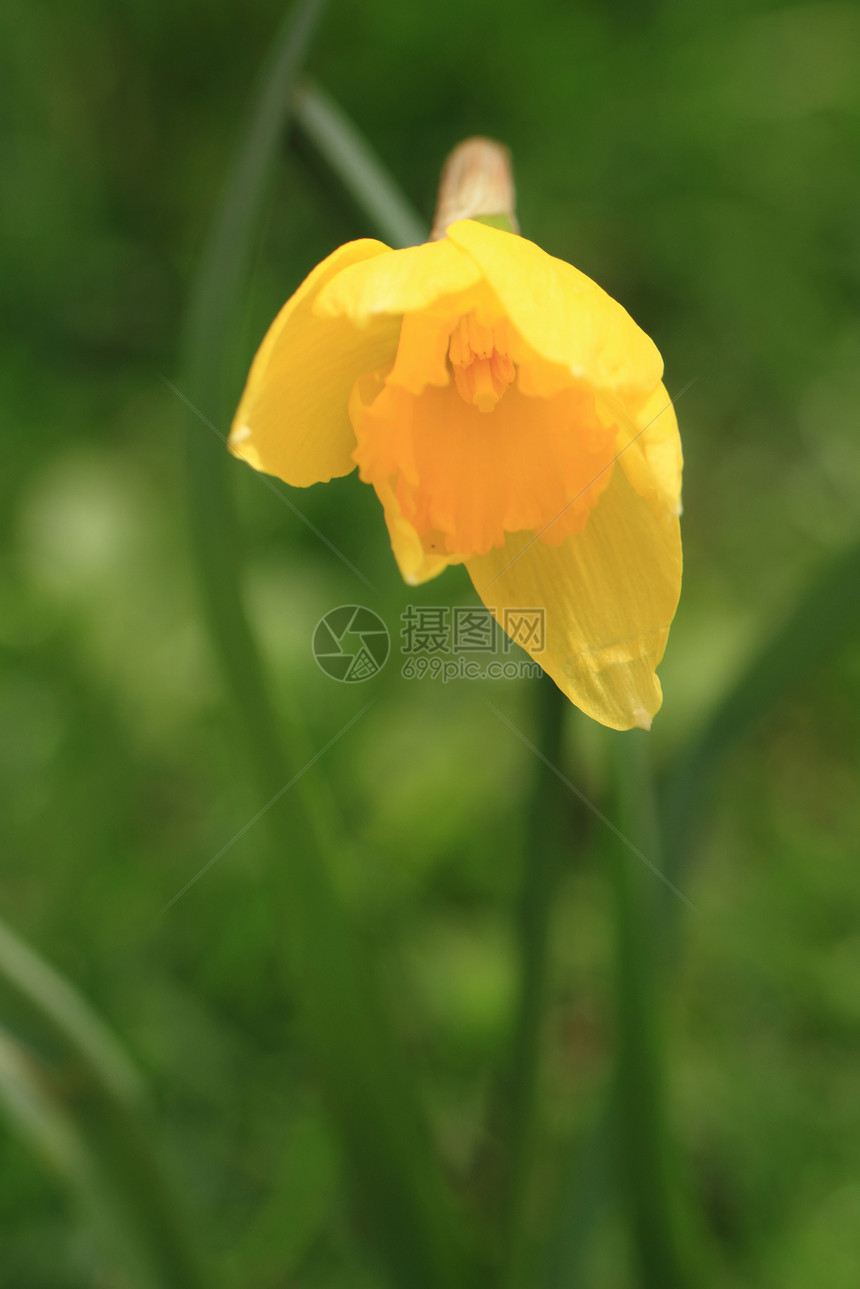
(641, 718)
(245, 451)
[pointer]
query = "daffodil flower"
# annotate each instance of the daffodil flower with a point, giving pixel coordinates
(511, 417)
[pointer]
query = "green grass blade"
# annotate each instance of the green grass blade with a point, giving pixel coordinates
(360, 171)
(584, 1199)
(399, 1192)
(224, 262)
(60, 1015)
(74, 1095)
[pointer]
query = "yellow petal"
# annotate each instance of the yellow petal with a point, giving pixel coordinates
(292, 420)
(660, 445)
(561, 313)
(404, 281)
(649, 447)
(609, 595)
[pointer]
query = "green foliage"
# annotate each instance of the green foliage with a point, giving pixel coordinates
(698, 161)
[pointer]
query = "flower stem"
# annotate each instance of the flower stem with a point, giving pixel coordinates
(539, 882)
(658, 1224)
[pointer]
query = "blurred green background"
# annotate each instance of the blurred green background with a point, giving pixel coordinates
(702, 162)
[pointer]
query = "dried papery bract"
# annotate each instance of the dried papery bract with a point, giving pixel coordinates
(477, 182)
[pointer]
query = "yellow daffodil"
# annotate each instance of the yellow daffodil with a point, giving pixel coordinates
(510, 416)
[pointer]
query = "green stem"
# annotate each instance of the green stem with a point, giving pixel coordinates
(397, 1188)
(357, 166)
(648, 1169)
(540, 875)
(82, 1103)
(583, 1201)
